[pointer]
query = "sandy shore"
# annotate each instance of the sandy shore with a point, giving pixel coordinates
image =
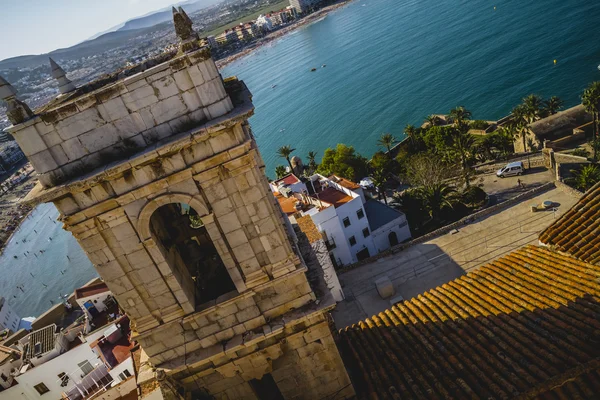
(322, 13)
(12, 212)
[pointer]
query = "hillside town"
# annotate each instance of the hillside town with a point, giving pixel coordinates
(460, 261)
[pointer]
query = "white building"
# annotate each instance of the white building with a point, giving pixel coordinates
(264, 22)
(85, 359)
(353, 227)
(302, 6)
(8, 318)
(10, 359)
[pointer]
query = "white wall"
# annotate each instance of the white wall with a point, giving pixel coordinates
(356, 227)
(5, 369)
(97, 299)
(47, 373)
(381, 235)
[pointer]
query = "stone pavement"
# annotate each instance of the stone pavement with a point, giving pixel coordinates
(430, 264)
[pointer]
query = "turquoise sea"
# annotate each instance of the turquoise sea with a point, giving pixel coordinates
(393, 62)
(389, 63)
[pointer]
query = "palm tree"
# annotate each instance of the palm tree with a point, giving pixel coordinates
(312, 164)
(533, 107)
(285, 152)
(432, 120)
(280, 171)
(380, 178)
(437, 197)
(387, 141)
(553, 105)
(591, 102)
(586, 177)
(519, 123)
(461, 147)
(411, 133)
(459, 116)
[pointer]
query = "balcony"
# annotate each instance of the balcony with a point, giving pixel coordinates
(86, 383)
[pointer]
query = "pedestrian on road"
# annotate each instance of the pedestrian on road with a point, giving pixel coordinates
(519, 183)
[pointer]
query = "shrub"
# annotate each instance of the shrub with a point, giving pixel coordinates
(473, 195)
(479, 124)
(581, 153)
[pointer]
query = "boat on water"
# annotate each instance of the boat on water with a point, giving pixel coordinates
(313, 70)
(598, 67)
(323, 66)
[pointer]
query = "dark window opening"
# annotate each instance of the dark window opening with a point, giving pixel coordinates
(346, 222)
(363, 254)
(266, 388)
(366, 232)
(41, 388)
(4, 377)
(393, 238)
(124, 375)
(360, 214)
(190, 252)
(352, 240)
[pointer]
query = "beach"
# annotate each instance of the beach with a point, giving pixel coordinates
(309, 19)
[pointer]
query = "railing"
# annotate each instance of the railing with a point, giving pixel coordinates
(86, 384)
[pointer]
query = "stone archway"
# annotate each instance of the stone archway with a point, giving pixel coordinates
(190, 258)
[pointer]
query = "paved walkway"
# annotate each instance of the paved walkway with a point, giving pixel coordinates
(430, 264)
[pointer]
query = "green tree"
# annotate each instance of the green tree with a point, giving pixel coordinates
(344, 161)
(432, 120)
(552, 105)
(408, 202)
(533, 106)
(280, 171)
(460, 116)
(438, 138)
(591, 102)
(586, 177)
(312, 163)
(437, 197)
(462, 148)
(285, 152)
(411, 133)
(519, 123)
(387, 141)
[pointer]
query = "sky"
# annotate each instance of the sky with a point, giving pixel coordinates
(40, 26)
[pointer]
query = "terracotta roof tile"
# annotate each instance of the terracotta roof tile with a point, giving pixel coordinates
(577, 232)
(525, 325)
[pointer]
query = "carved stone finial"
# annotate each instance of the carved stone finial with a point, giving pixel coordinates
(184, 30)
(64, 84)
(17, 111)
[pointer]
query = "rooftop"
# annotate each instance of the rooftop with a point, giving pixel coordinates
(288, 204)
(561, 123)
(309, 228)
(525, 325)
(7, 352)
(348, 184)
(91, 290)
(379, 214)
(287, 180)
(115, 353)
(576, 232)
(333, 196)
(41, 342)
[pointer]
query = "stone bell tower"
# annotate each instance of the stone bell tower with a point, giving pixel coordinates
(156, 172)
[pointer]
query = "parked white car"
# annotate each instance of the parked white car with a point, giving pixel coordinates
(511, 169)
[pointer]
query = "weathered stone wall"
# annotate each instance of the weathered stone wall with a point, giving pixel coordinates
(302, 359)
(111, 123)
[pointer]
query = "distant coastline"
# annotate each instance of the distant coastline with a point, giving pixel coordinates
(314, 17)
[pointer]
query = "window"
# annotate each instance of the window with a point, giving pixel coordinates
(64, 379)
(41, 388)
(86, 367)
(346, 222)
(124, 375)
(352, 240)
(4, 377)
(360, 214)
(366, 232)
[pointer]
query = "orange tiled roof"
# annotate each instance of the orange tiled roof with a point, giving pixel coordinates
(288, 204)
(577, 232)
(348, 184)
(309, 228)
(524, 325)
(333, 197)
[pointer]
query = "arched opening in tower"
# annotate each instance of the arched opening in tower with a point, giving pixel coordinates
(189, 251)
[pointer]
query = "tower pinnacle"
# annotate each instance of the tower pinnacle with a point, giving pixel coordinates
(64, 84)
(17, 111)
